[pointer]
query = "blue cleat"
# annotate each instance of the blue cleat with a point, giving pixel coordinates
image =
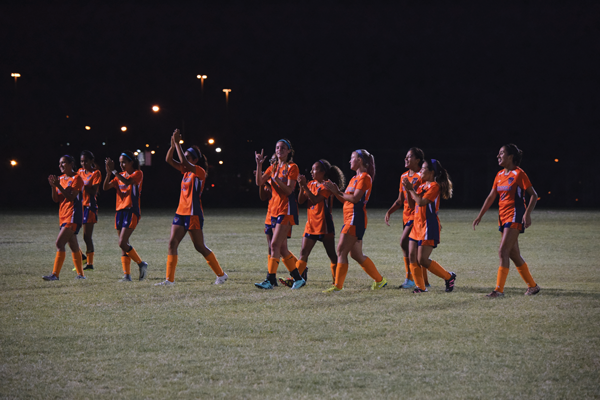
(408, 284)
(264, 285)
(298, 284)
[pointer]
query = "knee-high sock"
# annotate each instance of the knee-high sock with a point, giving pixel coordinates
(59, 259)
(290, 262)
(526, 275)
(407, 268)
(340, 275)
(212, 262)
(171, 266)
(369, 267)
(333, 268)
(273, 265)
(134, 255)
(78, 262)
(126, 263)
(417, 273)
(90, 258)
(501, 279)
(438, 270)
(301, 265)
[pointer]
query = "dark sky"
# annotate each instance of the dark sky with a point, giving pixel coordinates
(458, 80)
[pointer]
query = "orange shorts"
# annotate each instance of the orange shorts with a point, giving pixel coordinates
(352, 230)
(189, 222)
(286, 220)
(74, 227)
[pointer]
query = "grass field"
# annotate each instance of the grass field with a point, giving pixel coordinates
(103, 339)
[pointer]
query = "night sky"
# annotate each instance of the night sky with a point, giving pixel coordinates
(458, 80)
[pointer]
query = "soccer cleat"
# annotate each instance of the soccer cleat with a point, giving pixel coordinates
(408, 284)
(221, 279)
(50, 277)
(333, 289)
(298, 284)
(495, 294)
(450, 282)
(289, 282)
(143, 267)
(379, 285)
(305, 274)
(80, 277)
(532, 290)
(165, 283)
(264, 285)
(418, 290)
(74, 269)
(88, 267)
(125, 278)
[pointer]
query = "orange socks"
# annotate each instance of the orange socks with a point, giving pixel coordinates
(273, 265)
(90, 258)
(438, 270)
(333, 268)
(526, 275)
(407, 267)
(78, 262)
(340, 275)
(59, 259)
(369, 267)
(171, 266)
(301, 265)
(134, 256)
(212, 262)
(290, 262)
(501, 279)
(417, 273)
(126, 262)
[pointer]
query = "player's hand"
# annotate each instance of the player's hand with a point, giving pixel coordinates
(332, 187)
(407, 185)
(52, 180)
(176, 136)
(260, 158)
(526, 220)
(387, 218)
(110, 165)
(476, 222)
(302, 180)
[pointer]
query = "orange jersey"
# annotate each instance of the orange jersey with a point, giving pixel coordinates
(128, 196)
(318, 215)
(427, 224)
(269, 210)
(90, 179)
(192, 185)
(356, 214)
(284, 205)
(70, 211)
(409, 212)
(511, 187)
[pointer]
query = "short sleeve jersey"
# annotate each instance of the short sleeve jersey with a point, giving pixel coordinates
(284, 205)
(90, 179)
(426, 224)
(318, 214)
(511, 188)
(70, 211)
(356, 214)
(192, 185)
(128, 196)
(408, 213)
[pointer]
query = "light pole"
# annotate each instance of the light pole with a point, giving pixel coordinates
(15, 75)
(202, 78)
(226, 91)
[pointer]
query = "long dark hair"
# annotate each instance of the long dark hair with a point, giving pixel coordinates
(90, 156)
(129, 154)
(368, 161)
(333, 173)
(202, 161)
(441, 177)
(514, 151)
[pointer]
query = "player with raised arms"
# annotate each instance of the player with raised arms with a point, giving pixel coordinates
(92, 177)
(128, 185)
(66, 190)
(355, 200)
(425, 234)
(511, 183)
(282, 175)
(189, 216)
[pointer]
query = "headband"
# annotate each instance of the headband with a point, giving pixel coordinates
(286, 143)
(194, 152)
(70, 158)
(124, 154)
(362, 156)
(435, 165)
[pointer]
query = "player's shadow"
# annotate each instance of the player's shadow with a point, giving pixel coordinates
(510, 292)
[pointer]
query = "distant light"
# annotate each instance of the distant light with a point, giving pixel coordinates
(221, 162)
(15, 75)
(218, 149)
(576, 199)
(539, 198)
(13, 163)
(155, 108)
(549, 192)
(138, 150)
(180, 141)
(226, 91)
(135, 153)
(211, 141)
(147, 145)
(201, 76)
(213, 185)
(103, 143)
(68, 144)
(67, 116)
(87, 128)
(556, 160)
(152, 152)
(123, 128)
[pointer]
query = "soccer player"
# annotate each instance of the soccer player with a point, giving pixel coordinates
(128, 185)
(92, 177)
(413, 161)
(319, 222)
(511, 184)
(425, 234)
(66, 190)
(282, 175)
(189, 216)
(355, 200)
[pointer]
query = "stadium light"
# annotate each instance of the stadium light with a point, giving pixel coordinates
(218, 149)
(13, 163)
(155, 109)
(87, 127)
(211, 141)
(123, 129)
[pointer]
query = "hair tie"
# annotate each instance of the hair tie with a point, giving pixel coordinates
(125, 154)
(286, 143)
(194, 152)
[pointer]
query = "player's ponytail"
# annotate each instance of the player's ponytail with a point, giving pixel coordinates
(441, 177)
(333, 173)
(514, 151)
(198, 155)
(368, 161)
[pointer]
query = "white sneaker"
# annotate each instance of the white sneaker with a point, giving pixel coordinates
(165, 283)
(221, 279)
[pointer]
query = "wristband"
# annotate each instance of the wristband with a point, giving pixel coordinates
(114, 171)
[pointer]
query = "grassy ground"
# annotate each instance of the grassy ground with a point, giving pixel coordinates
(103, 339)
